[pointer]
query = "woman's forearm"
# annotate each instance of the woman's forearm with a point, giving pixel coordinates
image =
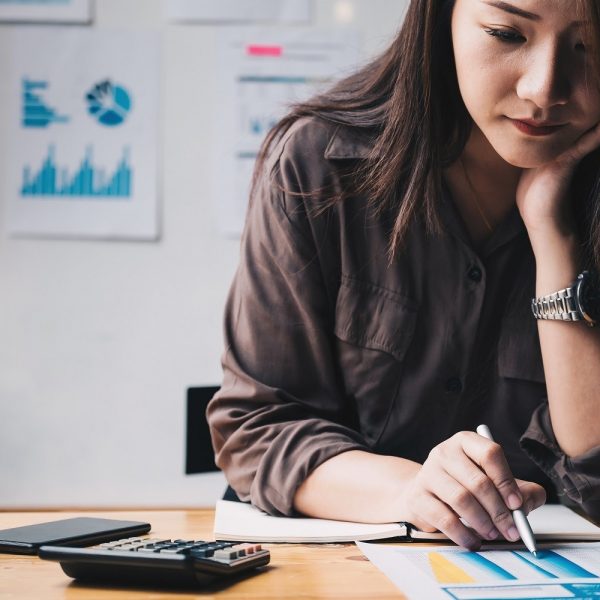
(571, 354)
(356, 486)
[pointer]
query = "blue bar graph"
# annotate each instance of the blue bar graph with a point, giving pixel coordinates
(553, 565)
(87, 181)
(494, 570)
(35, 112)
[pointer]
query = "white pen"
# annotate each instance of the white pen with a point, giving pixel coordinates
(521, 522)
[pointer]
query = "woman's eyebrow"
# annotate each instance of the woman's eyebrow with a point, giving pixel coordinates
(513, 10)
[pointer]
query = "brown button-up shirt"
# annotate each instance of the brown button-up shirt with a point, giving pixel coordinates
(329, 348)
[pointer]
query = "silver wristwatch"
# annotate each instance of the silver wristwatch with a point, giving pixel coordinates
(578, 302)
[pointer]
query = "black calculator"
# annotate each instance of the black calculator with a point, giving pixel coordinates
(159, 562)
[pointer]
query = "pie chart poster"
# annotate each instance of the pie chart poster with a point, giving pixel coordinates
(83, 116)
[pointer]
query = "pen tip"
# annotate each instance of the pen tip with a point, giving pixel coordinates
(535, 553)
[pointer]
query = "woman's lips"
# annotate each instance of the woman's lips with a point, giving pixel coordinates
(530, 128)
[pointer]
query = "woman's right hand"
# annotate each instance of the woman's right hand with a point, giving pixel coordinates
(467, 477)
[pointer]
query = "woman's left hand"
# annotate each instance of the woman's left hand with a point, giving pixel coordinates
(542, 192)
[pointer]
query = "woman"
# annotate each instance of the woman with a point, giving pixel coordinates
(399, 227)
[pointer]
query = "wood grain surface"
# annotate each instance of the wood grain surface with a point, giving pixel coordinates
(297, 571)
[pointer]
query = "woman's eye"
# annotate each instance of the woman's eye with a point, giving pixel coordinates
(505, 35)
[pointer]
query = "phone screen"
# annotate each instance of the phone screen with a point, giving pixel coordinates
(79, 531)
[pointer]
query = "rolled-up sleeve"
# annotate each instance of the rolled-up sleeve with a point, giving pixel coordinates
(280, 412)
(576, 477)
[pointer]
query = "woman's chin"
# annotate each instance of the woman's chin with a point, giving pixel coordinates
(527, 160)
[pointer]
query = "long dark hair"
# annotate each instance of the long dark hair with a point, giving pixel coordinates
(408, 100)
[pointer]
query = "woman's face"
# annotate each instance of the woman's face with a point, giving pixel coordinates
(526, 76)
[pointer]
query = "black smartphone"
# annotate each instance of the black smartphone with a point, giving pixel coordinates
(79, 531)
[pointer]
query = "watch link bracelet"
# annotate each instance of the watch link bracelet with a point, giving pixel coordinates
(580, 301)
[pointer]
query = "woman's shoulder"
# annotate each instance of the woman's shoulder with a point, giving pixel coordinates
(318, 140)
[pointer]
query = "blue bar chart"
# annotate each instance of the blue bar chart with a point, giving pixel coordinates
(491, 566)
(515, 574)
(87, 181)
(498, 573)
(34, 110)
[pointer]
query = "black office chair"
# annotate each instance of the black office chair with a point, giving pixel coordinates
(199, 454)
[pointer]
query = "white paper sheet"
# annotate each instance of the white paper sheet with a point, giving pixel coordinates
(83, 112)
(261, 73)
(240, 11)
(560, 571)
(63, 11)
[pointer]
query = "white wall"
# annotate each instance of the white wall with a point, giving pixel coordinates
(99, 340)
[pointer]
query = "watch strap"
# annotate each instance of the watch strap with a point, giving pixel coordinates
(558, 306)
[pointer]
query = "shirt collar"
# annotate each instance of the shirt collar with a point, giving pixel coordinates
(346, 143)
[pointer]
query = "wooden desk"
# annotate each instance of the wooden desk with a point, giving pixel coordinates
(296, 570)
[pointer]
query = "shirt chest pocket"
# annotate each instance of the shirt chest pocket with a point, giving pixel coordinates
(374, 328)
(519, 352)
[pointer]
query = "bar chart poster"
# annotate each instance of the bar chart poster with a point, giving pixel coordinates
(559, 571)
(83, 156)
(262, 72)
(46, 11)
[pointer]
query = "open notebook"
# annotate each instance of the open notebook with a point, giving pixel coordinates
(237, 521)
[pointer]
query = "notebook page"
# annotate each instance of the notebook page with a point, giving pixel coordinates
(243, 522)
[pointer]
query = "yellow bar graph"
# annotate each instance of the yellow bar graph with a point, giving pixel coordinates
(446, 571)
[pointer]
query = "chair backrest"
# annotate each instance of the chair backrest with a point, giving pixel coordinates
(199, 454)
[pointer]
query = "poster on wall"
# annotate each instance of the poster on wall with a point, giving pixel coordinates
(41, 11)
(261, 73)
(240, 11)
(83, 153)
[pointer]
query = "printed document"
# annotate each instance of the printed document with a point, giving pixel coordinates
(432, 572)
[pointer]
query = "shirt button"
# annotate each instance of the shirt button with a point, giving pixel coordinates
(474, 274)
(454, 385)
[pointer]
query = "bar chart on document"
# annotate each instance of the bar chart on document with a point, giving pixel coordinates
(83, 133)
(262, 73)
(87, 181)
(566, 571)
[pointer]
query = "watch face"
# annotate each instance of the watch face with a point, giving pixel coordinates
(588, 296)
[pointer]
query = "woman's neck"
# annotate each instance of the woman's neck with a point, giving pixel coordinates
(483, 187)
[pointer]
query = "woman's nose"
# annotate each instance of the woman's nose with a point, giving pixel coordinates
(545, 80)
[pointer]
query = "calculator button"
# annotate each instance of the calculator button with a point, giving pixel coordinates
(109, 544)
(226, 554)
(201, 552)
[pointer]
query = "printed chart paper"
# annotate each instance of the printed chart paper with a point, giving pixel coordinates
(83, 149)
(261, 73)
(450, 573)
(240, 11)
(62, 11)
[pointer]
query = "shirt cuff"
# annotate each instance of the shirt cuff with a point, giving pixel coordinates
(576, 477)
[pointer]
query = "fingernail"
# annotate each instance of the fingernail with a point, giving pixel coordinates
(513, 534)
(472, 544)
(493, 534)
(514, 501)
